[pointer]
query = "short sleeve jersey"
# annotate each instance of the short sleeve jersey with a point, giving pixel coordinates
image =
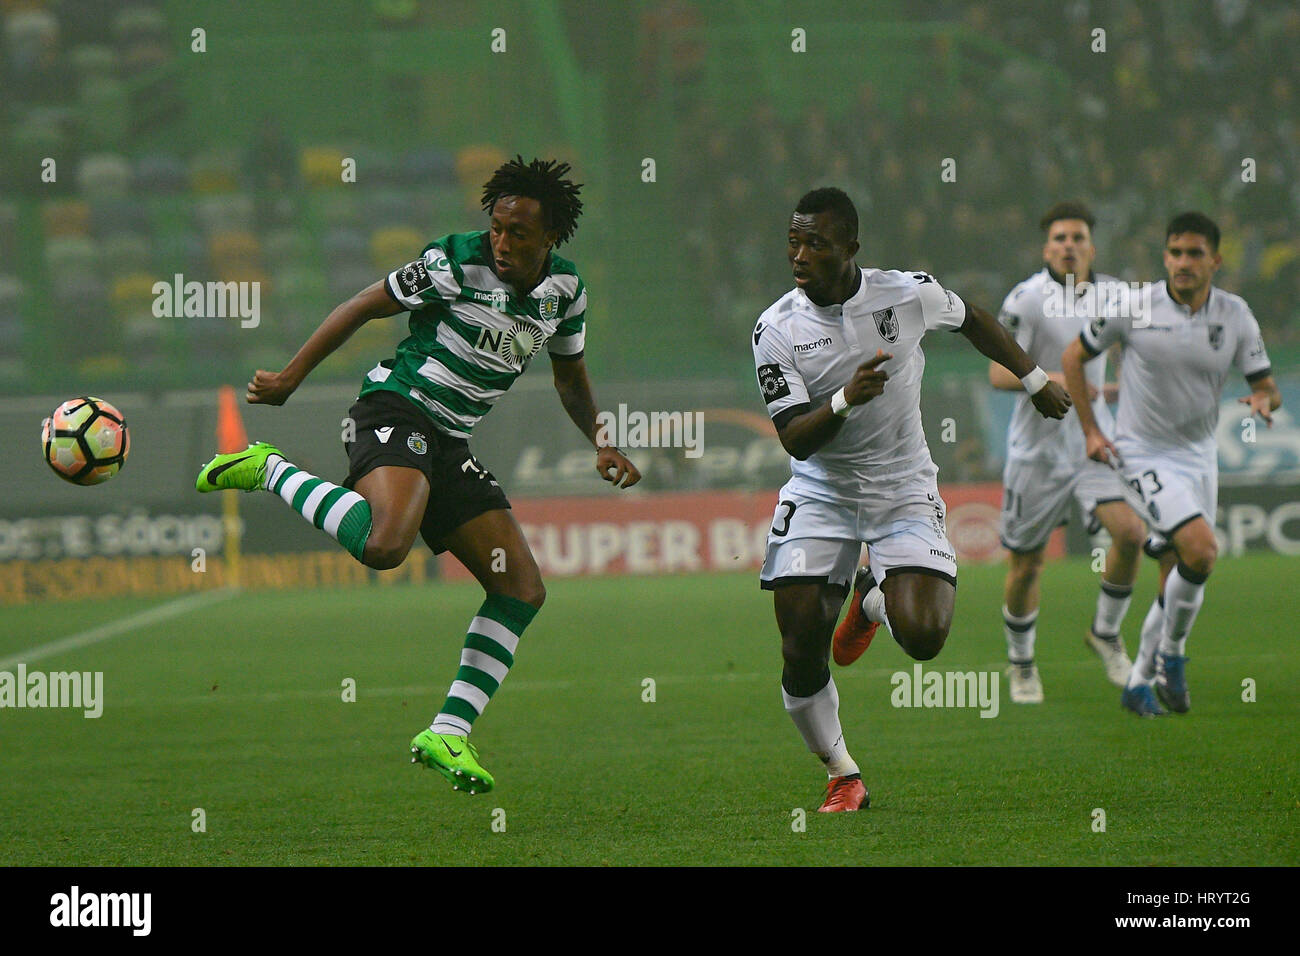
(471, 335)
(1174, 368)
(1036, 315)
(804, 352)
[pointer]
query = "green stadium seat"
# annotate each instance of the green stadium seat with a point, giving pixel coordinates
(105, 112)
(159, 174)
(286, 247)
(65, 217)
(392, 246)
(225, 213)
(321, 166)
(214, 172)
(64, 253)
(93, 59)
(344, 247)
(112, 215)
(104, 175)
(233, 249)
(135, 22)
(342, 208)
(124, 253)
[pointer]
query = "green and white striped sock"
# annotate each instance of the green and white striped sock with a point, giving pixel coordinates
(488, 655)
(342, 514)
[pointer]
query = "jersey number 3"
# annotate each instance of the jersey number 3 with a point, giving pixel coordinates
(785, 521)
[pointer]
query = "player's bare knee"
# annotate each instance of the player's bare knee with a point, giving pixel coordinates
(533, 593)
(1129, 535)
(923, 640)
(384, 557)
(1199, 561)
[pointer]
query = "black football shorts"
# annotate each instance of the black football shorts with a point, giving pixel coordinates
(391, 430)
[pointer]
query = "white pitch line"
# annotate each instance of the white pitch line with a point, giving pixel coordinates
(95, 635)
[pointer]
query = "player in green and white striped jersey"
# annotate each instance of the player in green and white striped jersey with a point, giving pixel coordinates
(482, 305)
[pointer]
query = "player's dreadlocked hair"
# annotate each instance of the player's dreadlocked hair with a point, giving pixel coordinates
(541, 180)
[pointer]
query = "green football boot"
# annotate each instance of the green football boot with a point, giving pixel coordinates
(242, 470)
(453, 757)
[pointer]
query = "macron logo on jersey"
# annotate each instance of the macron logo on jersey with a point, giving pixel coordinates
(813, 346)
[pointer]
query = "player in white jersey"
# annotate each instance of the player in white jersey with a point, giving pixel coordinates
(839, 365)
(1176, 360)
(1047, 467)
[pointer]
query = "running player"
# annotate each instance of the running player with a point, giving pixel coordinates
(482, 306)
(1047, 467)
(839, 366)
(1176, 360)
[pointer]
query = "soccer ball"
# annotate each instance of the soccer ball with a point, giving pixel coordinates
(85, 441)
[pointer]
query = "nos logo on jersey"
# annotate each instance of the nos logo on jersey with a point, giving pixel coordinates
(886, 324)
(515, 345)
(1216, 337)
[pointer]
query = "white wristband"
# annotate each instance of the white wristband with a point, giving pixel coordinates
(1035, 381)
(840, 405)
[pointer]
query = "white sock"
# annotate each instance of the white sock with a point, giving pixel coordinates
(1183, 600)
(1112, 605)
(1144, 665)
(818, 721)
(873, 606)
(272, 463)
(1021, 633)
(450, 725)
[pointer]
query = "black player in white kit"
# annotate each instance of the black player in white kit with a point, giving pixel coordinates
(839, 366)
(1176, 361)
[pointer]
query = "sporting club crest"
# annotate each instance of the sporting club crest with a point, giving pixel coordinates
(549, 307)
(886, 324)
(1216, 337)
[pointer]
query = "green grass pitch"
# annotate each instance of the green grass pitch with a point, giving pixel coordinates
(237, 709)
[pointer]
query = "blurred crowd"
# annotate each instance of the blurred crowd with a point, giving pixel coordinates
(1191, 105)
(1014, 93)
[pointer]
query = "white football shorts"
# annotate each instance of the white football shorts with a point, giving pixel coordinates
(1173, 490)
(817, 541)
(1036, 498)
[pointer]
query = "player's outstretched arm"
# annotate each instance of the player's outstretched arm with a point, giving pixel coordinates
(373, 302)
(574, 388)
(803, 434)
(1073, 359)
(1004, 380)
(1264, 399)
(995, 342)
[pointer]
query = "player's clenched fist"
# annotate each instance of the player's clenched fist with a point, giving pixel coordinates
(868, 381)
(269, 388)
(1052, 401)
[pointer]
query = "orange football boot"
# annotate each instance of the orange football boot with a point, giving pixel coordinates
(855, 632)
(844, 794)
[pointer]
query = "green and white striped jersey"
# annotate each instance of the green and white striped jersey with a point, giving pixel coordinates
(472, 335)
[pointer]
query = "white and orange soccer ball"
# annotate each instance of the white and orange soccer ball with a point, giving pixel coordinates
(85, 441)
